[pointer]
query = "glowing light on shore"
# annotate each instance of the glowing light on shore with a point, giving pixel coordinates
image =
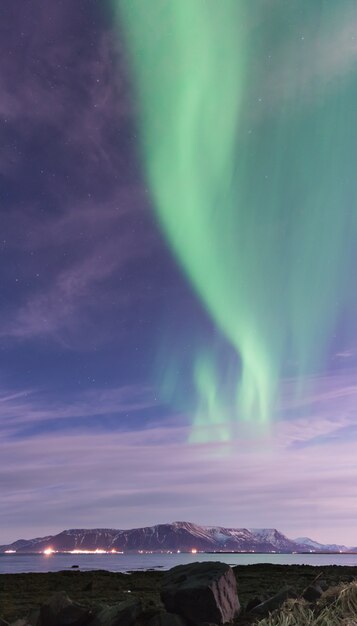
(193, 551)
(96, 551)
(10, 552)
(49, 551)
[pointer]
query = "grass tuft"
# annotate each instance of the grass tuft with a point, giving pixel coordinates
(333, 609)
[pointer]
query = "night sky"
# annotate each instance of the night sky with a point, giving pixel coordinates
(178, 336)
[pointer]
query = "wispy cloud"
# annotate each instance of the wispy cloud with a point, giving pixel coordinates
(22, 412)
(97, 245)
(54, 80)
(80, 218)
(126, 477)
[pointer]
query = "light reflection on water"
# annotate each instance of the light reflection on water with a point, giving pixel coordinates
(16, 563)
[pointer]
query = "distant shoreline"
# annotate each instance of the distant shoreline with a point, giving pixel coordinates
(168, 552)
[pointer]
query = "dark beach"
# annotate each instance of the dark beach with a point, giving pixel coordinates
(21, 592)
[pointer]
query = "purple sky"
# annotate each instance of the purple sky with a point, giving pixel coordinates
(299, 477)
(88, 289)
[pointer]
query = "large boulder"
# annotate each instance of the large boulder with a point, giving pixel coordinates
(201, 592)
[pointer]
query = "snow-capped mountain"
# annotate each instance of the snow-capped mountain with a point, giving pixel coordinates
(183, 536)
(315, 545)
(275, 538)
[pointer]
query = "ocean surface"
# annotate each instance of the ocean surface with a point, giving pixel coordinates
(17, 563)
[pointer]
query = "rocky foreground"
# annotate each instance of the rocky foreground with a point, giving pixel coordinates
(187, 595)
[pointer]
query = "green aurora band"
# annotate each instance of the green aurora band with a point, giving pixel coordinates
(247, 117)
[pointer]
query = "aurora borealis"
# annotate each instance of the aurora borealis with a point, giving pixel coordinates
(248, 144)
(178, 334)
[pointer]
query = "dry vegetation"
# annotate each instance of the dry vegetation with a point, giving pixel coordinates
(337, 607)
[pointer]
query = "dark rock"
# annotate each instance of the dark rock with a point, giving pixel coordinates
(74, 566)
(3, 622)
(50, 610)
(121, 614)
(74, 615)
(33, 617)
(312, 593)
(166, 619)
(201, 592)
(275, 602)
(59, 610)
(253, 602)
(323, 584)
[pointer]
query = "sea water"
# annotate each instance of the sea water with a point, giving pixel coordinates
(18, 563)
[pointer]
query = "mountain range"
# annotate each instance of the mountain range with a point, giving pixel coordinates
(177, 536)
